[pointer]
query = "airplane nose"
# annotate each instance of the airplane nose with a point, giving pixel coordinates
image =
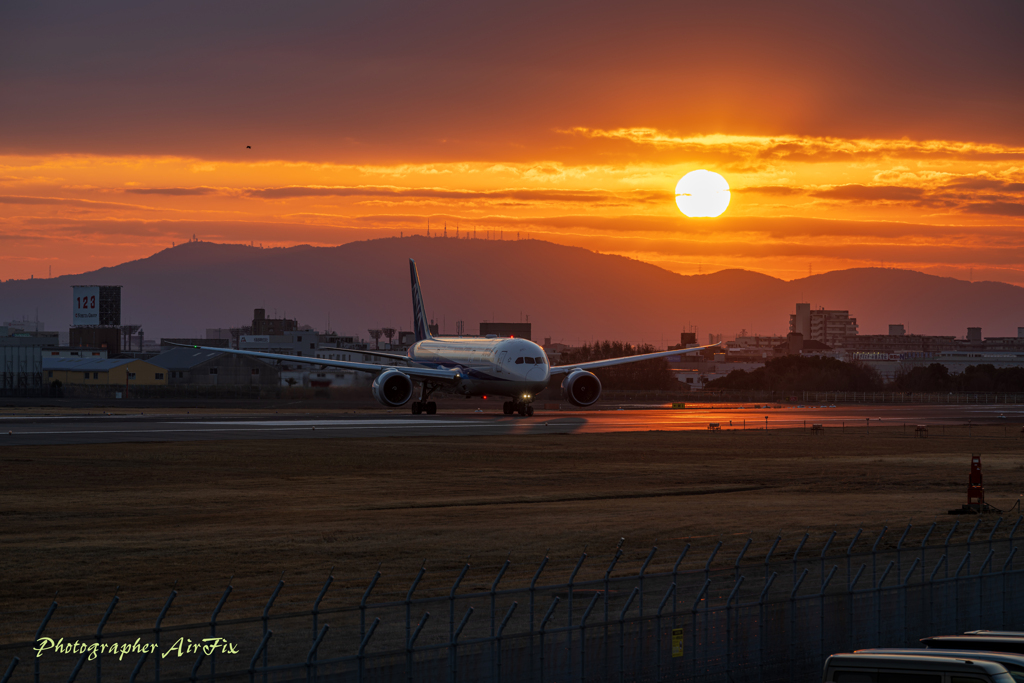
(535, 374)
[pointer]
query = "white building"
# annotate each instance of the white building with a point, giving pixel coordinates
(826, 326)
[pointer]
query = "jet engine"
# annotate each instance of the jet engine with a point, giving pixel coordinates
(392, 388)
(581, 388)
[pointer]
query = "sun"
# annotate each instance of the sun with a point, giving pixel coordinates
(702, 194)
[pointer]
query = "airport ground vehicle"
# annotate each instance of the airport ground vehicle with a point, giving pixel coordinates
(978, 640)
(862, 667)
(1014, 663)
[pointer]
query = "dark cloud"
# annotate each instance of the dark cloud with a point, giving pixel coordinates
(440, 193)
(996, 209)
(58, 201)
(173, 191)
(364, 82)
(774, 190)
(871, 193)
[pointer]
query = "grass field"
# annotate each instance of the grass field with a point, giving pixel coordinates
(84, 519)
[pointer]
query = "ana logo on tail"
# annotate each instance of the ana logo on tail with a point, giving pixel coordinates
(419, 312)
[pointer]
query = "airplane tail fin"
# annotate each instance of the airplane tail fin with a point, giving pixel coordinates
(419, 311)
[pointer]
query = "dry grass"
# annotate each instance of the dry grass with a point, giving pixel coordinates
(83, 519)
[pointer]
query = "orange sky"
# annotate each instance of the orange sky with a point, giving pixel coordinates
(850, 136)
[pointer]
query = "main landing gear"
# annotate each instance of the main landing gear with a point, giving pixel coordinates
(511, 407)
(420, 407)
(423, 405)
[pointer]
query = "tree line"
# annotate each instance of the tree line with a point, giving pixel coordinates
(644, 374)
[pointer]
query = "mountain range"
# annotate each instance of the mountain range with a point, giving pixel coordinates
(568, 293)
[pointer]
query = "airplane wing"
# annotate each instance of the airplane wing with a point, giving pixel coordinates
(414, 372)
(591, 365)
(392, 356)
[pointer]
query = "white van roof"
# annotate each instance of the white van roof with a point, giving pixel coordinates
(922, 663)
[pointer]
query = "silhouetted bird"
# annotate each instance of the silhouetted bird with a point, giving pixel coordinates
(248, 146)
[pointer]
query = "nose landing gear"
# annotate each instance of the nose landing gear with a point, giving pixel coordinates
(521, 407)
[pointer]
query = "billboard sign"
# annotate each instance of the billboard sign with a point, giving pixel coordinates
(85, 303)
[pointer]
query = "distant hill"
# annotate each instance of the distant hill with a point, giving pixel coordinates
(569, 293)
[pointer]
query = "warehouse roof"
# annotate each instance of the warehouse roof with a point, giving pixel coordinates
(82, 364)
(183, 358)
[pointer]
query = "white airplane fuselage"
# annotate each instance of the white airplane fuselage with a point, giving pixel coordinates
(505, 366)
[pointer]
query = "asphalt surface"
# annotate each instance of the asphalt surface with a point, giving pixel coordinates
(27, 429)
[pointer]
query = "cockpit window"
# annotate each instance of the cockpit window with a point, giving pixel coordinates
(519, 361)
(530, 360)
(540, 360)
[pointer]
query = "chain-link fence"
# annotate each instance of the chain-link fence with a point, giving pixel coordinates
(770, 618)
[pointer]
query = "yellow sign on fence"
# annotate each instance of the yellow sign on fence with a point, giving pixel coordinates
(677, 404)
(677, 642)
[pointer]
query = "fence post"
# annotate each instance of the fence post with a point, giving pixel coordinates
(311, 657)
(543, 628)
(410, 644)
(501, 630)
(707, 565)
(970, 536)
(494, 591)
(768, 557)
(259, 651)
(956, 587)
(622, 634)
(899, 550)
(792, 622)
(408, 617)
(39, 634)
(878, 603)
(451, 601)
(931, 592)
(728, 627)
(924, 544)
(453, 653)
(657, 631)
(568, 638)
(993, 532)
(138, 667)
(362, 604)
(821, 609)
(156, 630)
(10, 669)
(799, 547)
(533, 585)
(945, 550)
(849, 550)
(693, 627)
(906, 580)
(675, 580)
(874, 555)
(739, 557)
(849, 596)
(822, 557)
(361, 653)
(760, 625)
(266, 618)
(640, 633)
(607, 576)
(213, 627)
(981, 584)
(583, 637)
(1008, 563)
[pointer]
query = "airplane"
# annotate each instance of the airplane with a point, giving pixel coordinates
(510, 367)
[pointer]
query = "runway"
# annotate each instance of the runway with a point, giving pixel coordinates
(54, 429)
